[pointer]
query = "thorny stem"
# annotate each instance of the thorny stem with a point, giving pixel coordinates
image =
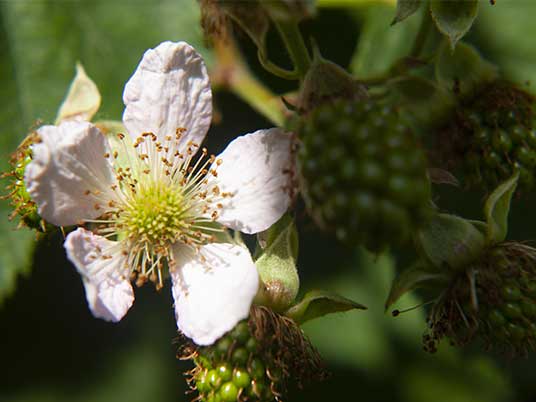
(293, 39)
(232, 72)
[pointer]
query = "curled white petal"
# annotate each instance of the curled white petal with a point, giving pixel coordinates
(104, 273)
(257, 170)
(213, 290)
(69, 178)
(170, 89)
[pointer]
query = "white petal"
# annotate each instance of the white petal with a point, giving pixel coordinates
(104, 273)
(257, 169)
(212, 296)
(67, 163)
(170, 89)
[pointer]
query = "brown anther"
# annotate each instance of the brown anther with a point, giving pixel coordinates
(146, 171)
(87, 192)
(204, 171)
(121, 136)
(169, 137)
(219, 205)
(214, 215)
(219, 162)
(107, 155)
(113, 187)
(214, 173)
(111, 204)
(115, 154)
(96, 206)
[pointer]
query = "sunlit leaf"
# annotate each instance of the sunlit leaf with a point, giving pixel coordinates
(83, 99)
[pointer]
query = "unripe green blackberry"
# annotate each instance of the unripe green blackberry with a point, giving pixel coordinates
(499, 308)
(23, 206)
(491, 135)
(362, 174)
(254, 361)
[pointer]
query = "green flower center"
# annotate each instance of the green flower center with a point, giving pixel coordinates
(156, 216)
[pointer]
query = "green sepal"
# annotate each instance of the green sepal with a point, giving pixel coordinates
(415, 277)
(404, 9)
(83, 98)
(326, 81)
(464, 69)
(497, 208)
(318, 303)
(276, 265)
(454, 18)
(424, 99)
(451, 242)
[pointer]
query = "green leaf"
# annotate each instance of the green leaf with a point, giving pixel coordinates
(277, 265)
(405, 8)
(366, 342)
(395, 42)
(45, 39)
(412, 278)
(454, 18)
(16, 249)
(318, 303)
(464, 68)
(83, 99)
(497, 208)
(450, 241)
(507, 32)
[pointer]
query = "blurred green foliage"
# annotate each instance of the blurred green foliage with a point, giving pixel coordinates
(53, 350)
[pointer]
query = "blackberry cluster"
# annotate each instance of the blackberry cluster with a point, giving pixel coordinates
(253, 361)
(362, 174)
(492, 135)
(501, 311)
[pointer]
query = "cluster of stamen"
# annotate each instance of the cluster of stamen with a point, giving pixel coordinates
(160, 198)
